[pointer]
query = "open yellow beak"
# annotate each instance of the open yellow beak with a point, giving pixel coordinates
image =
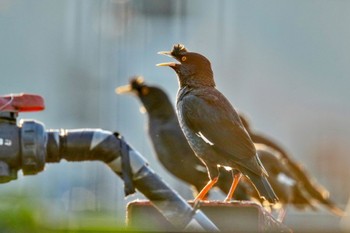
(166, 53)
(166, 64)
(123, 90)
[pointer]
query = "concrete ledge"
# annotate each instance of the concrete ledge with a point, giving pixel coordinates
(237, 216)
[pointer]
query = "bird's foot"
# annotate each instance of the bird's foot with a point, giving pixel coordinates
(196, 205)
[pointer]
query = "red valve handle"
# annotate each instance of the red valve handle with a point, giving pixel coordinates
(21, 103)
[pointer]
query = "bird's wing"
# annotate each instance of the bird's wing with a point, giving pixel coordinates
(212, 117)
(174, 144)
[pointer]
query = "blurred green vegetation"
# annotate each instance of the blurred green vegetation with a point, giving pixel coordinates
(16, 215)
(22, 213)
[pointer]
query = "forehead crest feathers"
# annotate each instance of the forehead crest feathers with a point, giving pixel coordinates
(178, 49)
(137, 82)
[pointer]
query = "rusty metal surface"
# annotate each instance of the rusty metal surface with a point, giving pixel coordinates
(236, 216)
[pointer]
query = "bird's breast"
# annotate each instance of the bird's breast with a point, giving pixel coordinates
(197, 144)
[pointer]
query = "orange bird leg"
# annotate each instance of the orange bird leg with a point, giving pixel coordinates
(201, 195)
(236, 179)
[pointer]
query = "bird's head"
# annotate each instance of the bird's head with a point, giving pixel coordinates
(154, 99)
(136, 86)
(192, 68)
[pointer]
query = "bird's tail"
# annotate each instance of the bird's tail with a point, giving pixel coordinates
(316, 191)
(301, 200)
(320, 195)
(332, 207)
(262, 186)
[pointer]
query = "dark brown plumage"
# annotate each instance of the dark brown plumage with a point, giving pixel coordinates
(212, 126)
(284, 182)
(306, 191)
(168, 140)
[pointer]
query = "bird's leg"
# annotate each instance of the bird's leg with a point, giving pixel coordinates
(236, 179)
(201, 195)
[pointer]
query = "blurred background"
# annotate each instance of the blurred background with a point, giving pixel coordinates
(283, 63)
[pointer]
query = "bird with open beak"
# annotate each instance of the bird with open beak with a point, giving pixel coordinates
(212, 126)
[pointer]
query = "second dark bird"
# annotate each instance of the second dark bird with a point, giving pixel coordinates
(306, 192)
(168, 140)
(284, 182)
(212, 126)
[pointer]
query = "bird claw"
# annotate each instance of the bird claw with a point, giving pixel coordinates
(196, 205)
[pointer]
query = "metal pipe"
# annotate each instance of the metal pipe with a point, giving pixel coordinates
(97, 144)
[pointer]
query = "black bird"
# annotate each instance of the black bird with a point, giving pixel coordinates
(168, 140)
(212, 126)
(306, 184)
(284, 182)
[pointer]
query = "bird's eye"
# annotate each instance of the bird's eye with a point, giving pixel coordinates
(184, 58)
